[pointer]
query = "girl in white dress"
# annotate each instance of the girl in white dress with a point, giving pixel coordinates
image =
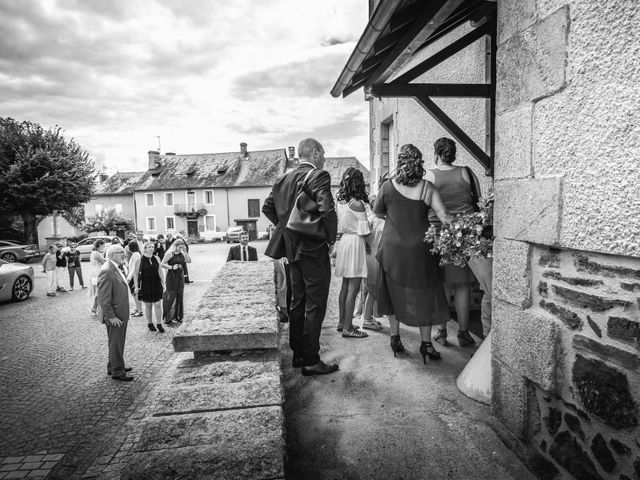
(351, 250)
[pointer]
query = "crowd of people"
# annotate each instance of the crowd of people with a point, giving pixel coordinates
(381, 254)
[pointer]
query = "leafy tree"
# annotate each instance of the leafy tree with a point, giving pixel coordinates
(107, 221)
(41, 172)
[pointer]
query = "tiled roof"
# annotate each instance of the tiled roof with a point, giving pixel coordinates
(213, 170)
(336, 166)
(121, 183)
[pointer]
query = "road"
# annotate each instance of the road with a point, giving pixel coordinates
(58, 404)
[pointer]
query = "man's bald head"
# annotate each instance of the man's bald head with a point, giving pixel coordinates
(310, 150)
(116, 254)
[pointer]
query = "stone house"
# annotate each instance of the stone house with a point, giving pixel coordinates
(542, 96)
(194, 193)
(54, 228)
(336, 166)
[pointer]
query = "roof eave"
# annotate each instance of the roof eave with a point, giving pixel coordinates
(381, 16)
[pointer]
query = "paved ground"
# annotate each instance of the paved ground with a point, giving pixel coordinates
(382, 417)
(59, 407)
(379, 417)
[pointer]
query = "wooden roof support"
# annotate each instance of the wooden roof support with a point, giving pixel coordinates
(433, 16)
(456, 132)
(460, 90)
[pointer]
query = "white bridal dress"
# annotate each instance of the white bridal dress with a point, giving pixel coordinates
(475, 379)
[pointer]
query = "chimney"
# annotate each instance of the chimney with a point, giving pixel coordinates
(292, 153)
(154, 159)
(243, 149)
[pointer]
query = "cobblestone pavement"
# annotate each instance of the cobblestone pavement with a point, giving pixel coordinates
(60, 409)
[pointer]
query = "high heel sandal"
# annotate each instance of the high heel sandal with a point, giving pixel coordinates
(464, 339)
(427, 350)
(396, 344)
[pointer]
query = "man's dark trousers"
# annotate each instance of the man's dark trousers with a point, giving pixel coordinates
(117, 336)
(310, 280)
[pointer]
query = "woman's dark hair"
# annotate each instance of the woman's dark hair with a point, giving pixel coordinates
(410, 170)
(352, 186)
(98, 243)
(445, 148)
(134, 247)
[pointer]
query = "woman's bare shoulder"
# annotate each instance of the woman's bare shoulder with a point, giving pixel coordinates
(357, 206)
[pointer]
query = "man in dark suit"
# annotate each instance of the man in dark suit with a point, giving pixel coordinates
(308, 258)
(113, 297)
(243, 252)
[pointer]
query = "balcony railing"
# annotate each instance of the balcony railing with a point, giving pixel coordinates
(187, 208)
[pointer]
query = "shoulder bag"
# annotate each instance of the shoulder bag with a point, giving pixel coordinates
(305, 219)
(475, 197)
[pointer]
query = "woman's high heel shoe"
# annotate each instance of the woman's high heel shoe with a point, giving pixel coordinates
(159, 328)
(396, 344)
(427, 350)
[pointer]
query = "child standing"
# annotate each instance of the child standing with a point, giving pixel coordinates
(49, 268)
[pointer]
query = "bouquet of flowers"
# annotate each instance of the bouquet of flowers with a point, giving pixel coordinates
(463, 237)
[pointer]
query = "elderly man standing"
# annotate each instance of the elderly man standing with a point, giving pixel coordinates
(113, 298)
(308, 258)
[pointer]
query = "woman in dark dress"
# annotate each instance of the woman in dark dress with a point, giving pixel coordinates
(149, 286)
(410, 281)
(454, 185)
(173, 260)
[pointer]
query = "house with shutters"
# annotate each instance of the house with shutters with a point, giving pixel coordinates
(199, 193)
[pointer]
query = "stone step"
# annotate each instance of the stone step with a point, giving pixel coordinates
(237, 312)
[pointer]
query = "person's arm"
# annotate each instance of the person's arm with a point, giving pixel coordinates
(134, 266)
(100, 259)
(105, 287)
(269, 209)
(379, 207)
(438, 205)
(187, 258)
(321, 194)
(230, 255)
(44, 262)
(160, 272)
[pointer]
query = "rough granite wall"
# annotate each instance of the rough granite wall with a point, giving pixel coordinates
(414, 125)
(566, 319)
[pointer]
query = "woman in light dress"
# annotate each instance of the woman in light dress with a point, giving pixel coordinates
(351, 252)
(96, 260)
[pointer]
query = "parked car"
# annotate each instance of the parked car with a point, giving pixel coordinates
(233, 234)
(16, 281)
(85, 247)
(263, 235)
(211, 236)
(17, 252)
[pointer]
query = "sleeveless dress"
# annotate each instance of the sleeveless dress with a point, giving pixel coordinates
(351, 250)
(409, 279)
(149, 282)
(456, 196)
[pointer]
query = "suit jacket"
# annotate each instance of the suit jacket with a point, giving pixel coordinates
(277, 208)
(113, 293)
(235, 253)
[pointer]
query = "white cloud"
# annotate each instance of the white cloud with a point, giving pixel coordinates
(204, 75)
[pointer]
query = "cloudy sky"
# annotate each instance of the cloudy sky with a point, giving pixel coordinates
(204, 75)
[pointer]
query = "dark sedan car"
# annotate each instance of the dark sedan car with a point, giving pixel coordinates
(17, 252)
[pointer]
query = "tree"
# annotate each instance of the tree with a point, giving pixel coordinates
(41, 172)
(107, 221)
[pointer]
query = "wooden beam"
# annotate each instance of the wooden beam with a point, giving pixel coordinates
(455, 131)
(434, 15)
(464, 90)
(444, 54)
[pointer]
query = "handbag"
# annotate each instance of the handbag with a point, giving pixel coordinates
(304, 219)
(475, 196)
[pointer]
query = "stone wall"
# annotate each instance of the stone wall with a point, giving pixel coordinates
(566, 321)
